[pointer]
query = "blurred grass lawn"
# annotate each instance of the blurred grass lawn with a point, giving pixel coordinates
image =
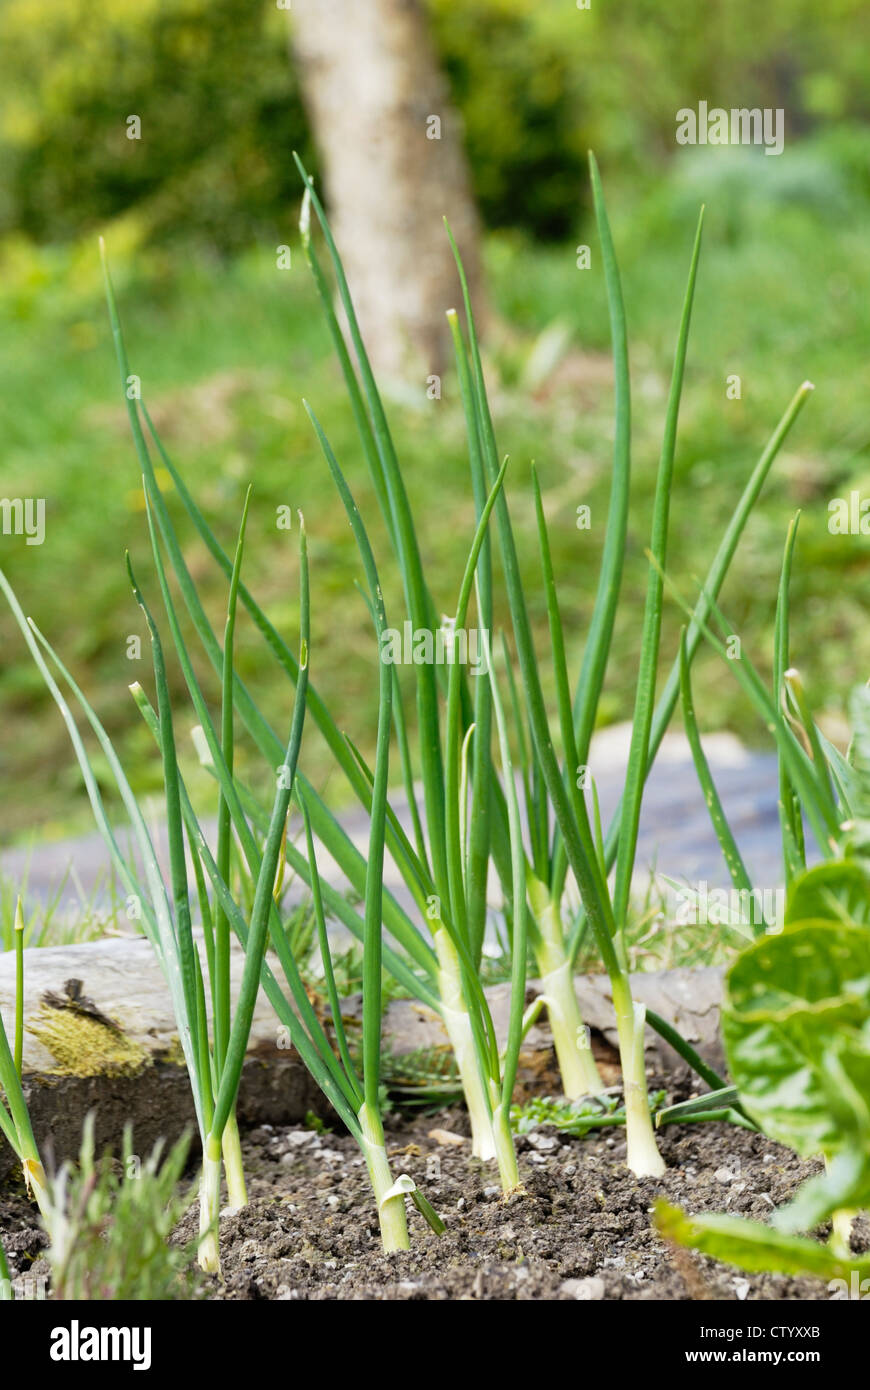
(226, 353)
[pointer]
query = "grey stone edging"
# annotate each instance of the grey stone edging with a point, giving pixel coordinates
(121, 980)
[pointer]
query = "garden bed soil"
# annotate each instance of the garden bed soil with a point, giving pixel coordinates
(580, 1230)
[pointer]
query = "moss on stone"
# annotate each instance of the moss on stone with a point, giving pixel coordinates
(81, 1046)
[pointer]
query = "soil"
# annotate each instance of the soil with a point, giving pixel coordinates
(581, 1228)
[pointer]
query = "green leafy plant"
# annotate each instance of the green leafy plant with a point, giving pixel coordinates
(796, 1016)
(575, 1117)
(111, 1222)
(796, 1028)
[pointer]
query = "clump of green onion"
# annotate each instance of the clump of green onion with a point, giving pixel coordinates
(576, 846)
(214, 1073)
(465, 822)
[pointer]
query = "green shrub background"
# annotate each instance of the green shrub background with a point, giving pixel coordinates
(227, 346)
(537, 84)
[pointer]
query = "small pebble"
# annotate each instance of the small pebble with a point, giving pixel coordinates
(299, 1138)
(588, 1290)
(544, 1143)
(446, 1138)
(491, 1192)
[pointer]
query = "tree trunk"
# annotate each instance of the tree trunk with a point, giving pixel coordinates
(394, 167)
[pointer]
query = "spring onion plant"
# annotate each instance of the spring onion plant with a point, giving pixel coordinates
(442, 971)
(490, 835)
(488, 1078)
(214, 1064)
(352, 1090)
(438, 956)
(821, 793)
(576, 845)
(215, 1060)
(819, 790)
(260, 838)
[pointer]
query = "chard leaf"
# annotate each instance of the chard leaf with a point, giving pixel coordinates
(838, 891)
(796, 1027)
(844, 1186)
(752, 1246)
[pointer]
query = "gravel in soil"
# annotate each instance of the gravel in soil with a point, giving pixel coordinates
(580, 1229)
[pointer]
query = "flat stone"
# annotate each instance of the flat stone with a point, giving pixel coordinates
(120, 982)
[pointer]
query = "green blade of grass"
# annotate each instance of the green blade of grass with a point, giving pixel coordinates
(712, 585)
(305, 1029)
(600, 634)
(800, 769)
(326, 957)
(372, 946)
(575, 831)
(638, 757)
(724, 834)
(183, 935)
(263, 899)
(221, 926)
(417, 598)
(791, 823)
